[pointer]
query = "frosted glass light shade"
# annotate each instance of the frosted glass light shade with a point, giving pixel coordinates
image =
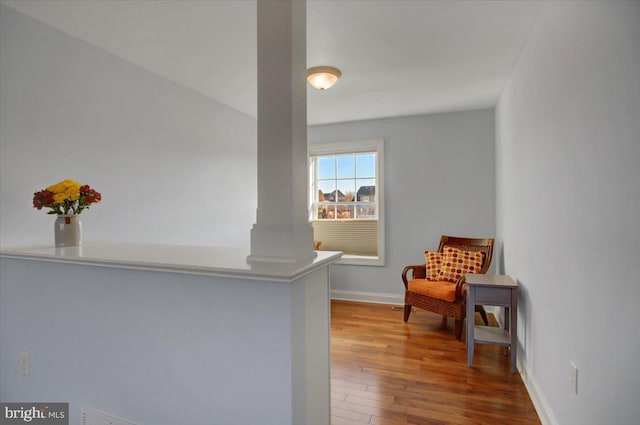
(323, 77)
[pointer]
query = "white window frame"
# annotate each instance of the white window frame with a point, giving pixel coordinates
(340, 148)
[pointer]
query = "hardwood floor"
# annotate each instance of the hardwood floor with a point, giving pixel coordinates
(387, 372)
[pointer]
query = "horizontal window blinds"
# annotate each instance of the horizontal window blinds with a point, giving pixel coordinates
(353, 237)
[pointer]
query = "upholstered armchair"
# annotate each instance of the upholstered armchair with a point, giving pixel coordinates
(439, 286)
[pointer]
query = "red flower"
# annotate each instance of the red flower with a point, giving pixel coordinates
(89, 195)
(44, 198)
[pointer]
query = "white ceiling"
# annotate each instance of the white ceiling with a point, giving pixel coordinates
(398, 57)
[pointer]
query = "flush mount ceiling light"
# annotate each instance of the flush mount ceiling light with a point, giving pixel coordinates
(323, 77)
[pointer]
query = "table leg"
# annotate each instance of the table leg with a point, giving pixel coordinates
(507, 318)
(513, 326)
(471, 300)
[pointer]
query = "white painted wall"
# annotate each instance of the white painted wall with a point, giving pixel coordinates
(439, 179)
(173, 166)
(568, 208)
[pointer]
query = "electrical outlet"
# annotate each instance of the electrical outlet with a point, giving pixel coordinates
(23, 365)
(573, 370)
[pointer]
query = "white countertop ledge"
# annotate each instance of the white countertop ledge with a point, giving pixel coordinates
(194, 260)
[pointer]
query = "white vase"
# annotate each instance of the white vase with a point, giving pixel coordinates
(68, 230)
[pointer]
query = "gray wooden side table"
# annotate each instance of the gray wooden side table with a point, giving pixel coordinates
(498, 290)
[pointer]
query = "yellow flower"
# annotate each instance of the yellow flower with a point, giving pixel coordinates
(66, 186)
(59, 197)
(55, 188)
(72, 192)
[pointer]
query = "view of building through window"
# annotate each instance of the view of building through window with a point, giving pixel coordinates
(345, 187)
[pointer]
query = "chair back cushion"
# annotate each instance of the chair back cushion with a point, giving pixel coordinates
(468, 244)
(434, 262)
(456, 263)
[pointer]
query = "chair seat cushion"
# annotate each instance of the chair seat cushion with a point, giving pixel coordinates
(442, 290)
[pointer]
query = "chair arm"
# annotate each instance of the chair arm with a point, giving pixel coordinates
(419, 271)
(460, 285)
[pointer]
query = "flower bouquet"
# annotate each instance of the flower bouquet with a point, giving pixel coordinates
(67, 199)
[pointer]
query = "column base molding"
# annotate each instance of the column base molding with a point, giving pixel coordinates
(281, 244)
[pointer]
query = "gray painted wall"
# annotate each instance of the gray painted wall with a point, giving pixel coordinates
(173, 166)
(439, 177)
(568, 208)
(149, 347)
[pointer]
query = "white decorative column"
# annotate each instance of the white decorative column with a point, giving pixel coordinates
(282, 232)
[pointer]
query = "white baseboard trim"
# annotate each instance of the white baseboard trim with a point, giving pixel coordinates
(537, 397)
(535, 393)
(367, 297)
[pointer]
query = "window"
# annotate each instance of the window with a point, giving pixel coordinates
(346, 199)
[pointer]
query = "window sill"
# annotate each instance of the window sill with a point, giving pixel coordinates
(360, 260)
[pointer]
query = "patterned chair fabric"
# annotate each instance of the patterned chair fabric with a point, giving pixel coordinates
(446, 294)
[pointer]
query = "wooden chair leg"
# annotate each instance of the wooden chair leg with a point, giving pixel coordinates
(483, 313)
(443, 324)
(458, 329)
(407, 312)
